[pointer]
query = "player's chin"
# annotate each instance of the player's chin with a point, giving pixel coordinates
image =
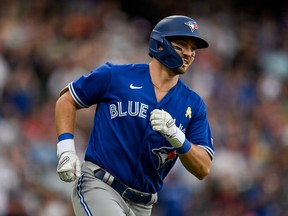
(183, 69)
(179, 71)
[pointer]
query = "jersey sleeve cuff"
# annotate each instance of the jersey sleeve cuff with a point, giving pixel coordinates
(75, 96)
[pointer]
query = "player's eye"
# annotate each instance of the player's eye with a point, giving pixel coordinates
(178, 48)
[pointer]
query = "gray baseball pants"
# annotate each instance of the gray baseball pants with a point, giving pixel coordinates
(93, 197)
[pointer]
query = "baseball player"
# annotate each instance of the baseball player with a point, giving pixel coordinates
(145, 119)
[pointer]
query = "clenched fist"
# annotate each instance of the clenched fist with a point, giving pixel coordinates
(69, 167)
(163, 122)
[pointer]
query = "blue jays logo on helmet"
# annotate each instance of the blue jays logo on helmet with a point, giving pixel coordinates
(192, 25)
(173, 26)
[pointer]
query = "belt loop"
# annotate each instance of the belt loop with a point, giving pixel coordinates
(106, 177)
(154, 198)
(110, 180)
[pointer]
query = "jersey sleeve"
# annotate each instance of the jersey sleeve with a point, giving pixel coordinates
(199, 132)
(90, 88)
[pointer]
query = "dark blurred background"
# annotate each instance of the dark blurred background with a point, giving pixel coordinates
(242, 76)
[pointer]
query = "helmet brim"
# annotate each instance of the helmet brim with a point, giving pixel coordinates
(199, 42)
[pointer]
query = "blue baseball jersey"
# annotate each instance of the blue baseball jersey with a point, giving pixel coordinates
(122, 140)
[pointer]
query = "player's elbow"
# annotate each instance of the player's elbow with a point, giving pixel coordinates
(203, 173)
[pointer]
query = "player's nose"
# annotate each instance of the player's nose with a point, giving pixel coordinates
(188, 52)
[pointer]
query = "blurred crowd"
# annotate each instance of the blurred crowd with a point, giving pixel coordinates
(242, 76)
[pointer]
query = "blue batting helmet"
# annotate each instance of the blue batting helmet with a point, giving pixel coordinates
(173, 26)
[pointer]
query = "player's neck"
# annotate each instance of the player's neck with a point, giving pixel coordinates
(162, 79)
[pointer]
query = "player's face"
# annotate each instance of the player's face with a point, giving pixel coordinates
(186, 48)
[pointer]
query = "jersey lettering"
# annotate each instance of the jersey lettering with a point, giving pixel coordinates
(135, 108)
(130, 108)
(181, 127)
(121, 113)
(143, 110)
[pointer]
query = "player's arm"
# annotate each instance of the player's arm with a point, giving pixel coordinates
(65, 113)
(68, 167)
(197, 161)
(194, 158)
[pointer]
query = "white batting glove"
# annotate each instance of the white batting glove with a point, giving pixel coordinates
(162, 122)
(69, 166)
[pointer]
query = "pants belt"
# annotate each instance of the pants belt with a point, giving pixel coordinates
(126, 192)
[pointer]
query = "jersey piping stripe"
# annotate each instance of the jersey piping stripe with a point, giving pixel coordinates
(75, 97)
(208, 149)
(82, 201)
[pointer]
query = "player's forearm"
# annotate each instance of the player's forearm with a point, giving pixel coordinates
(65, 114)
(196, 161)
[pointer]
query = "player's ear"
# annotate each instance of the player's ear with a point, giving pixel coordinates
(160, 48)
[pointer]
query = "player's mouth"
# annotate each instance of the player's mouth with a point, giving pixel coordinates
(186, 62)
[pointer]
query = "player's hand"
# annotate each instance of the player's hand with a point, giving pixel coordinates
(69, 167)
(163, 122)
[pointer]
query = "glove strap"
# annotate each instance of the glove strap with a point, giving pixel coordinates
(179, 142)
(65, 146)
(177, 139)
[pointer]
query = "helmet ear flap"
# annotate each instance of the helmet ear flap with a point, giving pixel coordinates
(155, 43)
(164, 52)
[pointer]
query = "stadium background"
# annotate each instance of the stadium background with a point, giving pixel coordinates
(243, 77)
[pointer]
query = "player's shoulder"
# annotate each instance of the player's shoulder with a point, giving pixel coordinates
(188, 91)
(120, 69)
(191, 97)
(125, 67)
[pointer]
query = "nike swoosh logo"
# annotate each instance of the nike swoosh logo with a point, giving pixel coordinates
(135, 87)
